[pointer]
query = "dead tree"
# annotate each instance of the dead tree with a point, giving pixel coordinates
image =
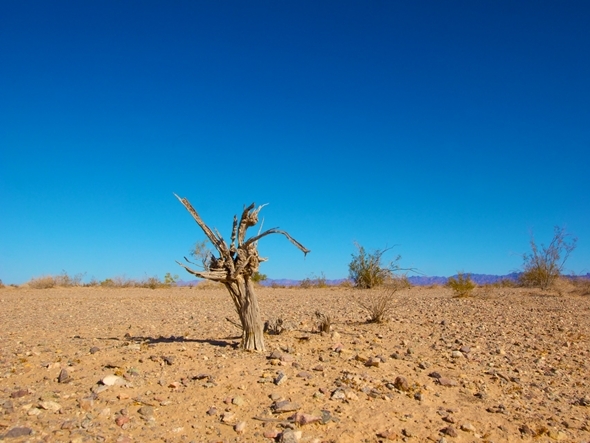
(235, 266)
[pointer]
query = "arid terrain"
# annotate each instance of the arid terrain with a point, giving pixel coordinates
(141, 365)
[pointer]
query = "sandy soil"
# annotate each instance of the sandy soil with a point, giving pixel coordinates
(141, 365)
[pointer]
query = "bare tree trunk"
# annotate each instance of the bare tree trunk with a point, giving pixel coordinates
(252, 324)
(234, 268)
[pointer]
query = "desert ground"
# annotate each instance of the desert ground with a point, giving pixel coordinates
(140, 365)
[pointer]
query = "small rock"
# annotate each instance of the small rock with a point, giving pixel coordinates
(240, 427)
(169, 360)
(34, 412)
(228, 417)
(338, 394)
(238, 401)
(68, 424)
(285, 406)
(86, 403)
(271, 433)
(63, 376)
(304, 374)
(444, 381)
(19, 393)
(94, 349)
(121, 420)
(401, 383)
(362, 358)
(318, 368)
(113, 380)
(280, 379)
(388, 435)
(20, 431)
(275, 355)
(557, 435)
(146, 411)
(408, 433)
(212, 411)
(465, 349)
(450, 431)
(290, 436)
(468, 427)
(526, 430)
(305, 419)
(50, 406)
(373, 361)
(457, 354)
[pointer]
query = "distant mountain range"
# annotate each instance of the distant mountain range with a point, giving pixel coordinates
(480, 279)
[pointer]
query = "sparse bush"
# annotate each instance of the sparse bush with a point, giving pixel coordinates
(543, 265)
(151, 283)
(49, 281)
(118, 282)
(257, 277)
(366, 269)
(378, 303)
(67, 281)
(314, 282)
(44, 282)
(1, 284)
(462, 285)
(170, 280)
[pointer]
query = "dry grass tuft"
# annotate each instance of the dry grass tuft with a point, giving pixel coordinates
(324, 322)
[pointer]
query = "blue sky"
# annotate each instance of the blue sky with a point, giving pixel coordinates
(450, 129)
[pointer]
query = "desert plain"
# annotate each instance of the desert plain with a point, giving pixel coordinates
(140, 365)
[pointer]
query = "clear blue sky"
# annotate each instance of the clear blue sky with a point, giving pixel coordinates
(451, 129)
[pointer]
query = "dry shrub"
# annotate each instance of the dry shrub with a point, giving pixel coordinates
(462, 285)
(544, 265)
(49, 281)
(1, 284)
(118, 282)
(314, 282)
(380, 303)
(274, 326)
(581, 285)
(208, 284)
(44, 282)
(324, 322)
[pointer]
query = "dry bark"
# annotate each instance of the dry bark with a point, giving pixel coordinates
(234, 267)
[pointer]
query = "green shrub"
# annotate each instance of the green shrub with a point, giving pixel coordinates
(462, 285)
(170, 280)
(366, 269)
(257, 277)
(543, 265)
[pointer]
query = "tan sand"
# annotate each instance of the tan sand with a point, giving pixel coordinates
(505, 365)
